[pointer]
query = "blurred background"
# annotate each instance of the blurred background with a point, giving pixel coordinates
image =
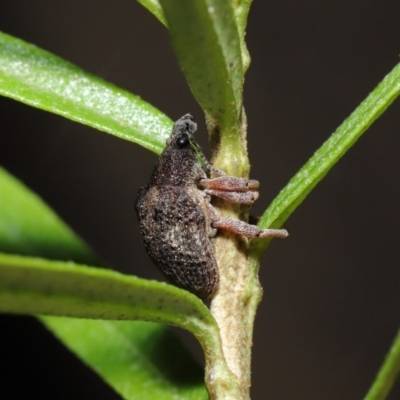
(331, 304)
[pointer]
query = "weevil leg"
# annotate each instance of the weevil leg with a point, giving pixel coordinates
(247, 198)
(236, 190)
(232, 189)
(247, 230)
(229, 184)
(243, 228)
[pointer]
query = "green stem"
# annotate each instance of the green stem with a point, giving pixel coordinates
(387, 374)
(234, 306)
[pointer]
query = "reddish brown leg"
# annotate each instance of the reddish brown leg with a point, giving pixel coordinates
(243, 228)
(241, 191)
(247, 230)
(232, 189)
(247, 198)
(230, 184)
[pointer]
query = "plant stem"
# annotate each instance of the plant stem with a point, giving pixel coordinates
(239, 292)
(387, 374)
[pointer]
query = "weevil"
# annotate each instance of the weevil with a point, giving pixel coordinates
(176, 217)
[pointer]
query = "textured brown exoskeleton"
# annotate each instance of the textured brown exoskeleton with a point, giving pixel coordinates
(177, 220)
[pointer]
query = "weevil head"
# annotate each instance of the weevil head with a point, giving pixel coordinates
(182, 133)
(181, 162)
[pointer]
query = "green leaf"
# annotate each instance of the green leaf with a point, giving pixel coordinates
(28, 226)
(139, 360)
(205, 36)
(388, 373)
(35, 77)
(330, 153)
(241, 10)
(154, 7)
(38, 286)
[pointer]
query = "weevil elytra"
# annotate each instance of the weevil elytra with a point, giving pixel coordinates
(177, 220)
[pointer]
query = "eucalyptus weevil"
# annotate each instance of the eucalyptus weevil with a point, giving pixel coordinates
(177, 220)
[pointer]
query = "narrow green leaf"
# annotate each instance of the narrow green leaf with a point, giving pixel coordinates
(205, 36)
(139, 360)
(388, 373)
(330, 152)
(241, 11)
(28, 226)
(38, 286)
(154, 7)
(38, 78)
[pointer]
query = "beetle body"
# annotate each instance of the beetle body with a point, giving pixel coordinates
(177, 220)
(174, 216)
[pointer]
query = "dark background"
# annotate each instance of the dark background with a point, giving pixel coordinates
(331, 291)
